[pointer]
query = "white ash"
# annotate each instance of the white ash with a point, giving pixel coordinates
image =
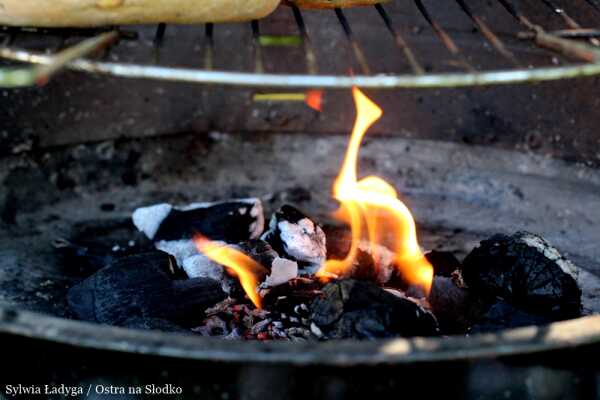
(304, 240)
(297, 237)
(260, 326)
(180, 249)
(282, 271)
(148, 219)
(316, 330)
(257, 227)
(549, 252)
(200, 266)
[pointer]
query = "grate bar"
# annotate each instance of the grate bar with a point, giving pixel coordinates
(594, 3)
(53, 64)
(490, 36)
(159, 37)
(358, 53)
(570, 22)
(498, 77)
(311, 59)
(209, 46)
(399, 40)
(444, 37)
(516, 13)
(565, 47)
(258, 59)
(560, 42)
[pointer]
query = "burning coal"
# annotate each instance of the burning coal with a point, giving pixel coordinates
(373, 210)
(370, 206)
(247, 270)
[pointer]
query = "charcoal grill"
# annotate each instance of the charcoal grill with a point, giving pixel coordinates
(459, 192)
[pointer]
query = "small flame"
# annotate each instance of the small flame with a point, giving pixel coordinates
(314, 99)
(373, 202)
(247, 270)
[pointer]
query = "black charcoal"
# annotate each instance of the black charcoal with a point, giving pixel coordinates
(138, 290)
(378, 267)
(230, 221)
(502, 315)
(444, 263)
(362, 310)
(454, 307)
(526, 272)
(295, 236)
(259, 250)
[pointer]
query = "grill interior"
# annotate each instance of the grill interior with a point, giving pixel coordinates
(424, 43)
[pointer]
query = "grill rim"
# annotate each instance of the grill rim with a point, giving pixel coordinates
(531, 340)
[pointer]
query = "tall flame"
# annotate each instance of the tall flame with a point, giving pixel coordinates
(373, 202)
(247, 270)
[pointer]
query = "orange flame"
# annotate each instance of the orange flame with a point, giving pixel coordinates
(314, 99)
(373, 202)
(247, 270)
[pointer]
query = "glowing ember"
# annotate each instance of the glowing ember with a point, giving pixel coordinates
(314, 99)
(247, 270)
(372, 208)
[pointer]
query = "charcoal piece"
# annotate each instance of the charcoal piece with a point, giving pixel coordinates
(502, 315)
(289, 296)
(359, 309)
(138, 288)
(444, 263)
(526, 272)
(370, 268)
(260, 251)
(200, 266)
(282, 271)
(179, 249)
(454, 307)
(295, 236)
(230, 221)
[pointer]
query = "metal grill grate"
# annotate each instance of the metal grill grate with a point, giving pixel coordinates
(560, 45)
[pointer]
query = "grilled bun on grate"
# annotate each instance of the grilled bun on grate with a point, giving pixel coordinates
(87, 13)
(332, 3)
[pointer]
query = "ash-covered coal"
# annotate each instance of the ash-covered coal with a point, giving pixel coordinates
(139, 291)
(230, 221)
(525, 271)
(362, 310)
(297, 237)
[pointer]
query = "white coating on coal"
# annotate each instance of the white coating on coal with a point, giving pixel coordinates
(258, 226)
(206, 204)
(282, 270)
(304, 241)
(148, 219)
(180, 249)
(549, 252)
(200, 266)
